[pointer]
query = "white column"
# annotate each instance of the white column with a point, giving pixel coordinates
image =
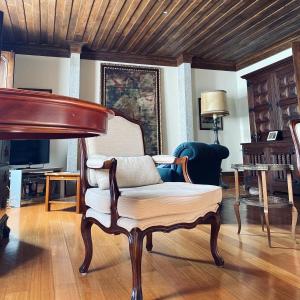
(75, 49)
(185, 102)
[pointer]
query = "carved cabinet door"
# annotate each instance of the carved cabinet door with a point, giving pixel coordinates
(261, 107)
(286, 98)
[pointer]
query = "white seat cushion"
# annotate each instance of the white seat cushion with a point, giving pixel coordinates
(129, 224)
(165, 199)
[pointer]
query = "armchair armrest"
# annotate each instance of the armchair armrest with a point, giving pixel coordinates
(164, 159)
(99, 162)
(169, 159)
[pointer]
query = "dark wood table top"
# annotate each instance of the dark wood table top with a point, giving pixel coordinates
(38, 115)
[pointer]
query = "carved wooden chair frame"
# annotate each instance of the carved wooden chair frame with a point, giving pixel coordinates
(136, 235)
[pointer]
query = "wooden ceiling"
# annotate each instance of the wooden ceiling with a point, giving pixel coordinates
(217, 34)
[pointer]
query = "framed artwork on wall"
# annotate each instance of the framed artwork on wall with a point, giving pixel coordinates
(135, 92)
(207, 123)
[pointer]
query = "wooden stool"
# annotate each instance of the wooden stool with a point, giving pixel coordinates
(62, 176)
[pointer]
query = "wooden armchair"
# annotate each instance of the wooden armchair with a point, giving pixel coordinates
(139, 210)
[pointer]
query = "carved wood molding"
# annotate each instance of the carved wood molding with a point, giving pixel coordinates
(129, 58)
(197, 62)
(37, 50)
(76, 47)
(184, 58)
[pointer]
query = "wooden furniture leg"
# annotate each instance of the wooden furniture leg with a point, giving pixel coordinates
(266, 205)
(78, 195)
(215, 228)
(291, 201)
(260, 194)
(86, 227)
(4, 229)
(136, 249)
(237, 200)
(47, 204)
(149, 244)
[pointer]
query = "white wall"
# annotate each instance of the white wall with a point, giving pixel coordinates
(90, 90)
(53, 73)
(45, 73)
(208, 80)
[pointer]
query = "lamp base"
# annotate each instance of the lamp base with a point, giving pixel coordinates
(216, 129)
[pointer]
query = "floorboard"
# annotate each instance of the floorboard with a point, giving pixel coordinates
(41, 260)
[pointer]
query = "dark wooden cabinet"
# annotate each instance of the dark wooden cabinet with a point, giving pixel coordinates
(277, 152)
(272, 97)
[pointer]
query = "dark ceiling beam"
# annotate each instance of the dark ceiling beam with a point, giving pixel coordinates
(184, 58)
(128, 58)
(40, 50)
(44, 50)
(199, 63)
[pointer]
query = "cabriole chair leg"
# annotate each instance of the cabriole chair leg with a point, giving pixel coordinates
(136, 249)
(87, 239)
(215, 227)
(149, 244)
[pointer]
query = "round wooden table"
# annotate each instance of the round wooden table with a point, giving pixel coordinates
(36, 115)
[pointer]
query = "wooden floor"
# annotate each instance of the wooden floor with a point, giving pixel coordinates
(41, 261)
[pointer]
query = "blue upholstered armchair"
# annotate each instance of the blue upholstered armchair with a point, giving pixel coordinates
(204, 163)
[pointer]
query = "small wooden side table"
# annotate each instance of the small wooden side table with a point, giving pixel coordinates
(62, 176)
(265, 201)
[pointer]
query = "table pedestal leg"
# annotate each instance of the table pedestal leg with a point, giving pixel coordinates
(260, 194)
(291, 201)
(237, 200)
(266, 204)
(268, 228)
(47, 204)
(294, 221)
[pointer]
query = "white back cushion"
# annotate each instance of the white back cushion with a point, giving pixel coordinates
(123, 138)
(131, 171)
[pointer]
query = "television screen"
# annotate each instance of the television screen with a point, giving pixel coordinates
(29, 152)
(1, 27)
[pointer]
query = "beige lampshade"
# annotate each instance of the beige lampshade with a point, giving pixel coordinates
(214, 103)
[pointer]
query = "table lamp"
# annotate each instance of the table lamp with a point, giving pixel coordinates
(213, 104)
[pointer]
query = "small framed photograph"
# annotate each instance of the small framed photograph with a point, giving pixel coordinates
(273, 135)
